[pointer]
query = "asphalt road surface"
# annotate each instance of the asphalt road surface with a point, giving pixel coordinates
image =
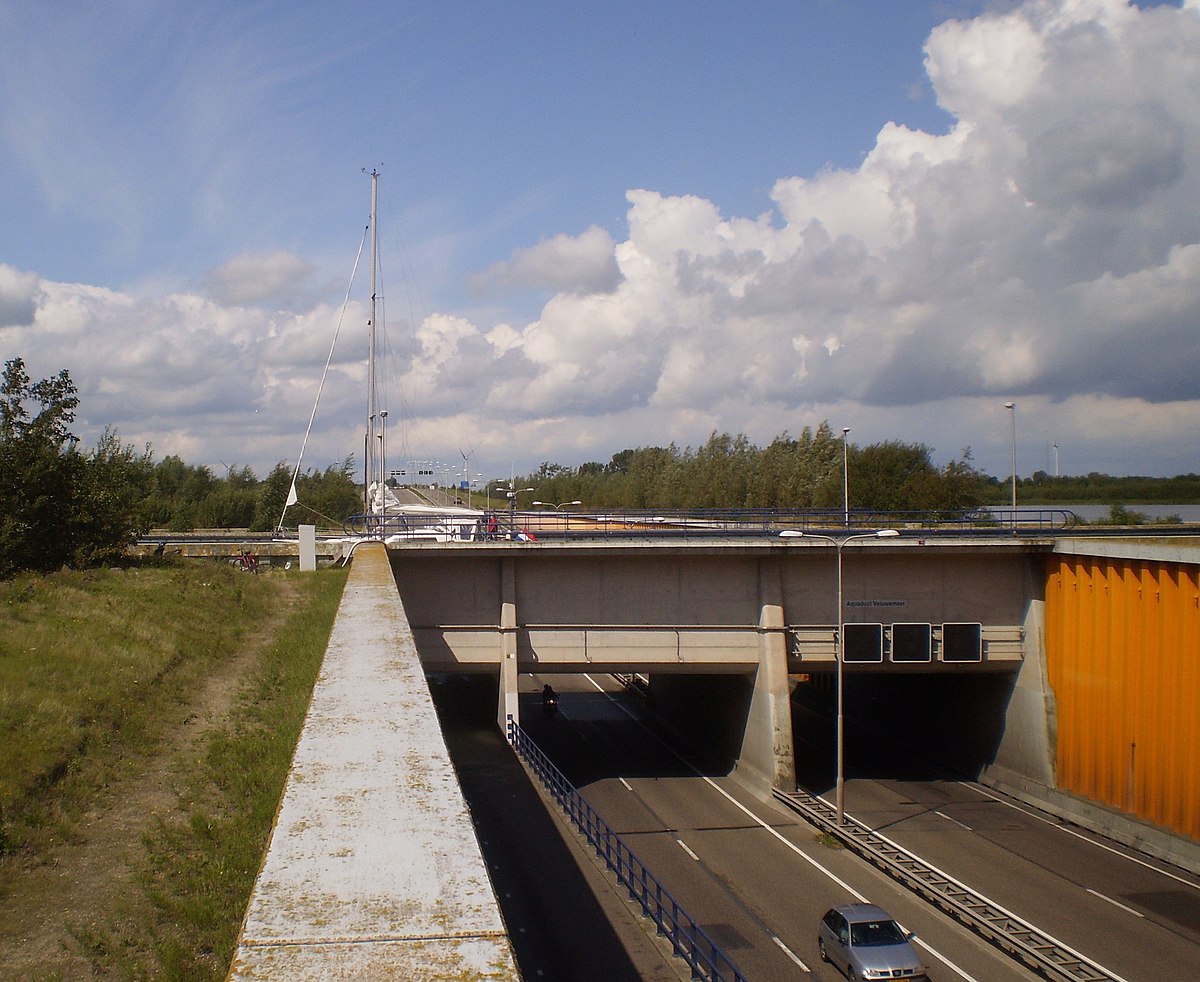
(757, 878)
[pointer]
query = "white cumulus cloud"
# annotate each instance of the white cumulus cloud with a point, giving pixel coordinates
(564, 263)
(1045, 248)
(277, 278)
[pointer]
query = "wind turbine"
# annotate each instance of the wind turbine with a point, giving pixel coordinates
(466, 481)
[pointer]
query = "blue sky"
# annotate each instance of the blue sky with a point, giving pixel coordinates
(612, 225)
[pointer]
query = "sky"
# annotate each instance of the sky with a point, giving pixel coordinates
(605, 226)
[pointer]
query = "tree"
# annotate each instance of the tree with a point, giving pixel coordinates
(228, 506)
(108, 501)
(896, 476)
(719, 473)
(57, 505)
(38, 465)
(653, 479)
(272, 494)
(881, 475)
(326, 497)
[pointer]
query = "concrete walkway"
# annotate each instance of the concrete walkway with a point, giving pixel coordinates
(373, 870)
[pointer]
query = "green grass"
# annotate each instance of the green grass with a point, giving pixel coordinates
(97, 671)
(86, 659)
(233, 799)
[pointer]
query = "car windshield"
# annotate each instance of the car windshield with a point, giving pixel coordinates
(867, 934)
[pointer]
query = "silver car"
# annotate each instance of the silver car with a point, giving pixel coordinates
(864, 942)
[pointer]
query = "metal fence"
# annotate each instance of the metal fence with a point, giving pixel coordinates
(701, 523)
(688, 940)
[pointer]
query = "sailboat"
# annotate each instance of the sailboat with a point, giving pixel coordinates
(384, 515)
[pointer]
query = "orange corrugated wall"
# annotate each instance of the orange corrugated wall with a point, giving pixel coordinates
(1123, 658)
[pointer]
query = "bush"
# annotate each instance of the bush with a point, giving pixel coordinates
(60, 506)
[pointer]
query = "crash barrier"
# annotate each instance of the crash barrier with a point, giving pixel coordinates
(688, 940)
(481, 525)
(1017, 938)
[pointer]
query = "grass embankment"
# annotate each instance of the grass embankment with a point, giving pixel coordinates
(147, 720)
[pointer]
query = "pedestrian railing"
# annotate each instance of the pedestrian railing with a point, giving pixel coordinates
(688, 940)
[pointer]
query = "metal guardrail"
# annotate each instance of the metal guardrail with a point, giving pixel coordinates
(1016, 937)
(700, 523)
(709, 522)
(688, 940)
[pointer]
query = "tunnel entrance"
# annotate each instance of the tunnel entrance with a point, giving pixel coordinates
(898, 726)
(907, 727)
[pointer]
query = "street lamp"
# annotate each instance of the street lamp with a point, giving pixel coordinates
(840, 793)
(1012, 412)
(512, 497)
(845, 479)
(559, 507)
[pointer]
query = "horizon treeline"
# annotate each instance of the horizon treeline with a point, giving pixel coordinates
(807, 472)
(65, 505)
(790, 472)
(182, 497)
(61, 504)
(1043, 488)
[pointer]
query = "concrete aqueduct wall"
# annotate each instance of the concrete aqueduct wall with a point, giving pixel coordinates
(727, 631)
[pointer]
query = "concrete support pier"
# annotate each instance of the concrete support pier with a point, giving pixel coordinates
(373, 869)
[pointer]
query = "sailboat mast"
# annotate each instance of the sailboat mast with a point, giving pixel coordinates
(371, 467)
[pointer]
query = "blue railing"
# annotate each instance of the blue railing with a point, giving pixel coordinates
(688, 940)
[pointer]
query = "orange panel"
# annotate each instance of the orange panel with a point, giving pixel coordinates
(1123, 658)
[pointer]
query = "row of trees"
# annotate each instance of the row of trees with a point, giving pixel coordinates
(804, 472)
(61, 504)
(184, 497)
(1043, 488)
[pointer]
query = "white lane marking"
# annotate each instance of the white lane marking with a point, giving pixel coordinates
(829, 873)
(791, 954)
(790, 845)
(954, 820)
(1117, 903)
(684, 846)
(1079, 835)
(1007, 913)
(625, 783)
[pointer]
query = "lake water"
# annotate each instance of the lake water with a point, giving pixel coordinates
(1095, 512)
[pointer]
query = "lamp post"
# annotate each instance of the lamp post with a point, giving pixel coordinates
(845, 479)
(559, 507)
(1012, 412)
(512, 497)
(840, 544)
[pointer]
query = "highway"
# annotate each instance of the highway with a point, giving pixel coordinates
(758, 880)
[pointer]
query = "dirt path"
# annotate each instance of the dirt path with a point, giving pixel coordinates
(89, 884)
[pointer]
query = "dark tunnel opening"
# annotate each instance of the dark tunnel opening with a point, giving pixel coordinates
(908, 727)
